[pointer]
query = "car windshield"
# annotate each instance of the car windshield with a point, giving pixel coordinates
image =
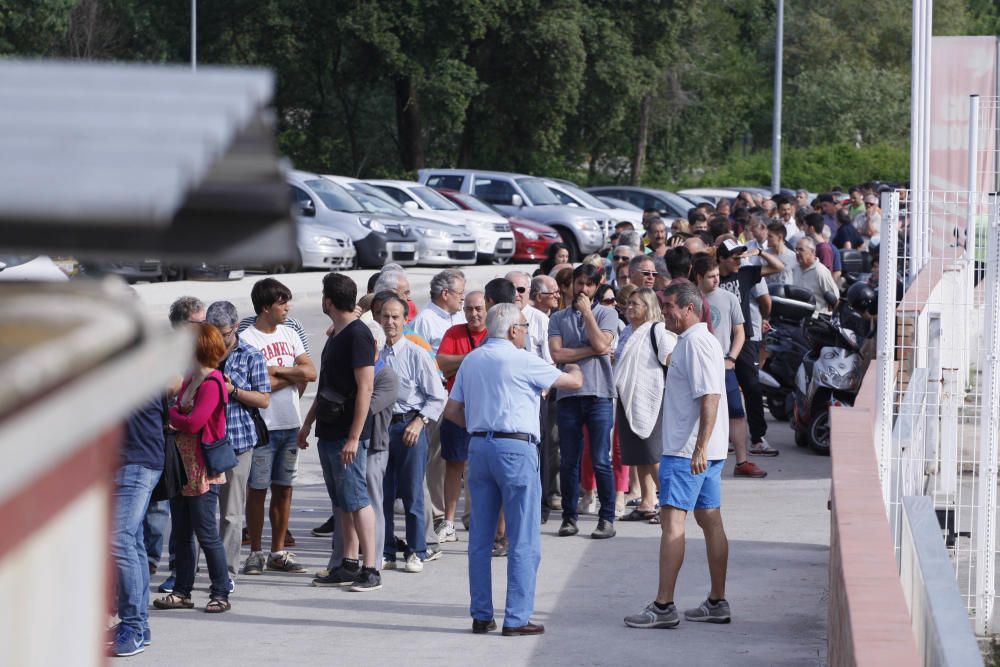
(374, 200)
(537, 192)
(585, 198)
(474, 203)
(680, 204)
(335, 197)
(432, 199)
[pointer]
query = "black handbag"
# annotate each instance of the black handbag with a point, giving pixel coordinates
(173, 478)
(331, 406)
(260, 426)
(219, 455)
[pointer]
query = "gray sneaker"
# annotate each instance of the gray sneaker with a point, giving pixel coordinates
(284, 562)
(709, 613)
(255, 563)
(652, 617)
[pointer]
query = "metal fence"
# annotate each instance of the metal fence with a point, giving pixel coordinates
(937, 427)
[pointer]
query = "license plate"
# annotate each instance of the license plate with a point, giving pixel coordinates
(236, 274)
(505, 245)
(404, 247)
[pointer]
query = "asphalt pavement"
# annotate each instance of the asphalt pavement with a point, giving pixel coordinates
(778, 530)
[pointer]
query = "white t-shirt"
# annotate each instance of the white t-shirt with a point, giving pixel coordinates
(538, 333)
(696, 369)
(279, 349)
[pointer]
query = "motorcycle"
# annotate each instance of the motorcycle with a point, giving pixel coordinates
(786, 346)
(830, 374)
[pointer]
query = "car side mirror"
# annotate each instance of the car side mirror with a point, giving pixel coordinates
(516, 200)
(411, 205)
(308, 209)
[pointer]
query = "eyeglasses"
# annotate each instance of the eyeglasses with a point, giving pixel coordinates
(608, 301)
(547, 293)
(521, 290)
(649, 274)
(622, 258)
(522, 325)
(869, 204)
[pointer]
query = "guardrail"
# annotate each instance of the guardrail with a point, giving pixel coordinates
(940, 623)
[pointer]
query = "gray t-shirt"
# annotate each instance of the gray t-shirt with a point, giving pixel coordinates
(598, 380)
(726, 314)
(787, 257)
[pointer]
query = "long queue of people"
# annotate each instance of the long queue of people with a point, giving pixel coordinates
(398, 417)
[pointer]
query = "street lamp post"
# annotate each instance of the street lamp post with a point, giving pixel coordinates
(194, 35)
(776, 130)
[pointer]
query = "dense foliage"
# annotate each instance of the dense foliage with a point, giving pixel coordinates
(661, 91)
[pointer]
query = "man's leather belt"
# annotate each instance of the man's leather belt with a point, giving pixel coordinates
(404, 416)
(527, 437)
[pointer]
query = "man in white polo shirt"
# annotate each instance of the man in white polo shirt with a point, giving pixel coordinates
(695, 436)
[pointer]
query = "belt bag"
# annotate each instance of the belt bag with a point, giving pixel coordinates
(331, 406)
(219, 456)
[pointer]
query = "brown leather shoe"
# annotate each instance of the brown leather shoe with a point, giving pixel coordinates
(529, 629)
(482, 627)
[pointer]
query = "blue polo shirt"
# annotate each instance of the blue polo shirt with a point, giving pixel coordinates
(499, 385)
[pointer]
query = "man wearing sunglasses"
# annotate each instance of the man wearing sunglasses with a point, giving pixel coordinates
(642, 272)
(622, 255)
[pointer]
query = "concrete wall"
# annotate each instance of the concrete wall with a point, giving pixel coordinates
(867, 622)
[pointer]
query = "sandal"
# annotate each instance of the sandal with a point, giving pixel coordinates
(217, 606)
(638, 515)
(655, 519)
(174, 601)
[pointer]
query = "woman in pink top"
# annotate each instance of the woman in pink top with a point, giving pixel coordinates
(199, 416)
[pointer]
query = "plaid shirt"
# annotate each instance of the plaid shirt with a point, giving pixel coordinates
(247, 370)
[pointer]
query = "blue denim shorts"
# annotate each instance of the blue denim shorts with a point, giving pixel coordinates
(681, 489)
(733, 396)
(349, 488)
(454, 441)
(277, 462)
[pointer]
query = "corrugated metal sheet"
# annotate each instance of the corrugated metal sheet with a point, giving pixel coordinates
(129, 159)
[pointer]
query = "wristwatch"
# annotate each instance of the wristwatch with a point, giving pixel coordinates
(425, 420)
(232, 394)
(729, 358)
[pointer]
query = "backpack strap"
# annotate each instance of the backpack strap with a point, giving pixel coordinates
(656, 347)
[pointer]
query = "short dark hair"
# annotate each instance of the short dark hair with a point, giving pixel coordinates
(825, 198)
(588, 271)
(500, 290)
(851, 190)
(624, 224)
(702, 264)
(781, 199)
(718, 226)
(387, 296)
(815, 222)
(778, 229)
(341, 291)
(267, 292)
(694, 215)
(372, 279)
(678, 261)
(706, 237)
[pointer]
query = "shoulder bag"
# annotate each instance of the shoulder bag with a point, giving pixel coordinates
(219, 455)
(173, 478)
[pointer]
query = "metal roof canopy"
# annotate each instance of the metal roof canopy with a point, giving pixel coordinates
(128, 160)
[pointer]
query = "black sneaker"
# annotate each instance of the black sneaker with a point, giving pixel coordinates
(605, 529)
(568, 528)
(341, 576)
(367, 580)
(500, 548)
(326, 530)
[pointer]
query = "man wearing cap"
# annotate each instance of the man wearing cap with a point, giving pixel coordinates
(495, 397)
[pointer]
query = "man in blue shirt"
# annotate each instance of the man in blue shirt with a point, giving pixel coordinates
(495, 397)
(584, 334)
(249, 388)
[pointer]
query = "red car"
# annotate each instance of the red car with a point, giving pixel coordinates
(531, 239)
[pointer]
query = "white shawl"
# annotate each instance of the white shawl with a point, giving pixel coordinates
(639, 377)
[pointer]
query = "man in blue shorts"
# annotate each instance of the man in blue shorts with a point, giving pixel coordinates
(695, 433)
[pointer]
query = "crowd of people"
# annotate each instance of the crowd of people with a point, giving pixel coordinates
(590, 388)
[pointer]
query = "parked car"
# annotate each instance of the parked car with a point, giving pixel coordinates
(669, 204)
(531, 239)
(204, 271)
(132, 271)
(376, 240)
(30, 267)
(619, 203)
(571, 194)
(494, 240)
(713, 195)
(526, 196)
(438, 243)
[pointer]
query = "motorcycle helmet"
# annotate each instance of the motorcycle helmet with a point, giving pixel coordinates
(862, 298)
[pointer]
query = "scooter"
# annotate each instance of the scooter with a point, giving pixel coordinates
(786, 346)
(830, 374)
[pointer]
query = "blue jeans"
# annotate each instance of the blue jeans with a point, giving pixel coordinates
(133, 487)
(346, 485)
(404, 478)
(154, 526)
(503, 474)
(195, 516)
(572, 414)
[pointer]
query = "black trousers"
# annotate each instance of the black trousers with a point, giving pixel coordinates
(753, 398)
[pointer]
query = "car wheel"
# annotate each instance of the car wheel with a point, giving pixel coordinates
(295, 265)
(777, 409)
(819, 433)
(275, 269)
(570, 241)
(500, 261)
(175, 272)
